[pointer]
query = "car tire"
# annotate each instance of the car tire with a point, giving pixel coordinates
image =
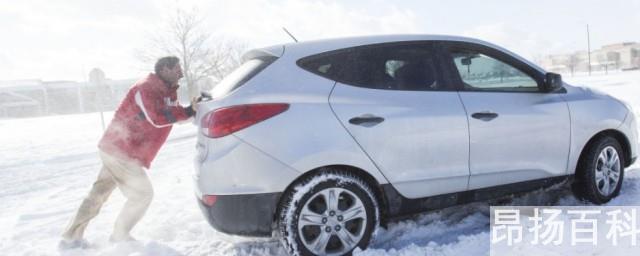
(329, 213)
(600, 171)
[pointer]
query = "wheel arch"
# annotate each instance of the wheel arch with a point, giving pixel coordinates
(618, 136)
(367, 177)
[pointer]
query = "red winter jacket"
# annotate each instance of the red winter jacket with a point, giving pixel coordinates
(143, 121)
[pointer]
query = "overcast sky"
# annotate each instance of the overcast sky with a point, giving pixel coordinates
(65, 39)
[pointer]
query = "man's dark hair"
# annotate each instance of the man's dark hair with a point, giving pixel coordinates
(169, 62)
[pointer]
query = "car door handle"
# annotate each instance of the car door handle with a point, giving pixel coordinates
(366, 120)
(484, 116)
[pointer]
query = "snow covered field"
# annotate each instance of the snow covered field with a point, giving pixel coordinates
(48, 164)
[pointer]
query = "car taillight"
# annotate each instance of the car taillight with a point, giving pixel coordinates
(209, 200)
(224, 121)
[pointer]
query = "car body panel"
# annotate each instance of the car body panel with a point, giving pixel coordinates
(628, 127)
(225, 170)
(528, 140)
(422, 144)
(517, 132)
(305, 137)
(591, 112)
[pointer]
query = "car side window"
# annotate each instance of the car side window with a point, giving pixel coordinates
(480, 72)
(388, 67)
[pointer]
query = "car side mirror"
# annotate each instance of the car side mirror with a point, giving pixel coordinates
(552, 82)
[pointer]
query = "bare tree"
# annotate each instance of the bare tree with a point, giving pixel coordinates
(225, 57)
(500, 69)
(572, 62)
(603, 62)
(635, 61)
(202, 55)
(614, 58)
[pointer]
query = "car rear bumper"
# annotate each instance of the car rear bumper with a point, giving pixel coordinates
(246, 215)
(231, 166)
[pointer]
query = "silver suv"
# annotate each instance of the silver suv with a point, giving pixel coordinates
(322, 141)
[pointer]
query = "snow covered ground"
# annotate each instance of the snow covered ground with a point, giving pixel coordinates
(48, 164)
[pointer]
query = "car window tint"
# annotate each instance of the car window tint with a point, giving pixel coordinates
(480, 72)
(395, 67)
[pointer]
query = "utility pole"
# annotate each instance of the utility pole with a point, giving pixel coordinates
(589, 48)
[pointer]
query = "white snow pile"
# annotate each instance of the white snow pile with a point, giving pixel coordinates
(48, 164)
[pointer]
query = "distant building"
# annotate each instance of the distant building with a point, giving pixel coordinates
(22, 98)
(620, 56)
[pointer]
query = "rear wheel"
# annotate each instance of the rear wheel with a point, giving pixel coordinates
(600, 171)
(330, 213)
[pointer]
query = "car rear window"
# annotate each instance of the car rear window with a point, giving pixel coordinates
(241, 75)
(327, 65)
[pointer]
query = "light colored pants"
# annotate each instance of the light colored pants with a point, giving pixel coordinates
(131, 178)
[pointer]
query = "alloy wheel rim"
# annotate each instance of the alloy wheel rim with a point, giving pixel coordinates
(607, 171)
(332, 222)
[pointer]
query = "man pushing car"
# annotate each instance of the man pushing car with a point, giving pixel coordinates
(140, 126)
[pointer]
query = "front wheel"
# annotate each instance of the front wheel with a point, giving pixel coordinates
(600, 171)
(330, 213)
